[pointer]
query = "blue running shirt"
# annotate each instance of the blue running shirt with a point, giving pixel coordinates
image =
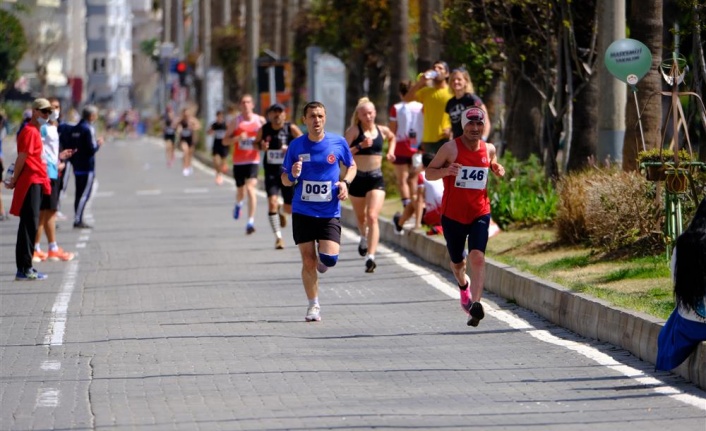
(315, 193)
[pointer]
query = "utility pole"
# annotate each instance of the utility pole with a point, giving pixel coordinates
(612, 97)
(252, 31)
(206, 61)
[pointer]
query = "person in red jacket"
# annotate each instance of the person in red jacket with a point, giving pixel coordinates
(30, 181)
(464, 164)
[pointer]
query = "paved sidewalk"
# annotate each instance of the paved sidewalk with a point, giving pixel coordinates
(172, 317)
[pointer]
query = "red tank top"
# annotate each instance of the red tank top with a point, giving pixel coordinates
(465, 195)
(244, 151)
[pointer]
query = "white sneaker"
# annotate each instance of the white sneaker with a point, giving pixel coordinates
(313, 313)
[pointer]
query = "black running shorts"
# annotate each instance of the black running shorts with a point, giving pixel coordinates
(455, 234)
(307, 229)
(245, 172)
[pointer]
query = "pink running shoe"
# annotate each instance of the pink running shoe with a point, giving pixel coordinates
(466, 300)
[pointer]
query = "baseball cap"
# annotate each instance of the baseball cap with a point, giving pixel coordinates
(275, 107)
(472, 114)
(41, 104)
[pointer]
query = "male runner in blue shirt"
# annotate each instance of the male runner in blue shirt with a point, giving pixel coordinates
(312, 166)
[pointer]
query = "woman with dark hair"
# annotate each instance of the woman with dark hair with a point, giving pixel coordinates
(686, 327)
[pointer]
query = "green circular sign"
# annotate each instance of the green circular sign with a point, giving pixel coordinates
(629, 60)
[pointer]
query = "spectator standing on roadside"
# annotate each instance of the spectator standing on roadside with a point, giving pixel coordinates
(464, 164)
(312, 165)
(686, 326)
(274, 138)
(464, 98)
(367, 192)
(85, 145)
(219, 152)
(407, 123)
(50, 203)
(241, 135)
(30, 181)
(3, 133)
(432, 90)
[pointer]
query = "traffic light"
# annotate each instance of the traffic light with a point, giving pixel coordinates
(181, 69)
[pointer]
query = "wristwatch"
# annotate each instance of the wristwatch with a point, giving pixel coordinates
(347, 183)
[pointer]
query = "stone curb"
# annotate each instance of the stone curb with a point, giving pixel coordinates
(582, 314)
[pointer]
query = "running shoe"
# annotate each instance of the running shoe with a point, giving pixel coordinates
(39, 256)
(236, 211)
(396, 220)
(321, 267)
(313, 313)
(466, 296)
(82, 225)
(60, 255)
(282, 220)
(370, 266)
(250, 229)
(363, 246)
(31, 275)
(476, 314)
(279, 244)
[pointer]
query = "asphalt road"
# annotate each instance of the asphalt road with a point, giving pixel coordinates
(171, 317)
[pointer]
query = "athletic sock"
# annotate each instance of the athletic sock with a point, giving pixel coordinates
(251, 220)
(37, 247)
(314, 301)
(53, 246)
(370, 256)
(274, 223)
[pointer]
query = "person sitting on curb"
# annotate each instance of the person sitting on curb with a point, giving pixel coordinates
(686, 326)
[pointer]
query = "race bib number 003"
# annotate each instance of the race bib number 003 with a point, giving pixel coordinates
(316, 191)
(275, 157)
(470, 177)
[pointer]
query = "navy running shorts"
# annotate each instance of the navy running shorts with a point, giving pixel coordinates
(456, 233)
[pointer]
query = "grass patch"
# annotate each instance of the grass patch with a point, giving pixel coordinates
(566, 263)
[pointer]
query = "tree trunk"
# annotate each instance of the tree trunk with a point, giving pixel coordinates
(429, 34)
(585, 133)
(399, 71)
(645, 23)
(524, 121)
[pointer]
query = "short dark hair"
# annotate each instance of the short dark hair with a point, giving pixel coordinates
(404, 87)
(313, 105)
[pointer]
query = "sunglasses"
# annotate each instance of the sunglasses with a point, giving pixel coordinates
(46, 111)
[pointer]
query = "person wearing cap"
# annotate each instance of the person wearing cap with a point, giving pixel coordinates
(30, 181)
(464, 164)
(433, 91)
(85, 145)
(241, 135)
(54, 158)
(274, 138)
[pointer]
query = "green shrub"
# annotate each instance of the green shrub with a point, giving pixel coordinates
(524, 197)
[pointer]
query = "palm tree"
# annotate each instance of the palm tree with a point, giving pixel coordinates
(399, 10)
(645, 23)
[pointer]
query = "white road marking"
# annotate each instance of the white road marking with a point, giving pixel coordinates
(50, 365)
(83, 238)
(48, 397)
(197, 190)
(80, 245)
(148, 192)
(542, 335)
(57, 322)
(102, 194)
